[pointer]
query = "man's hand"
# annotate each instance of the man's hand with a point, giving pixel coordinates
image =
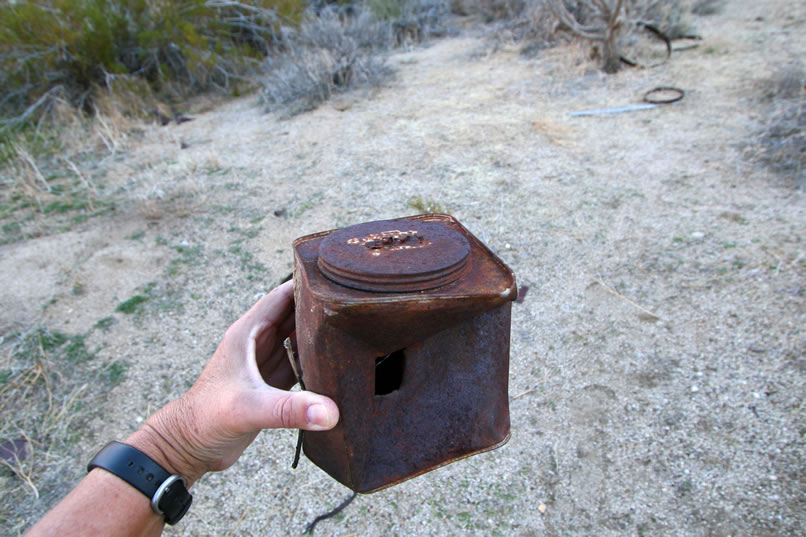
(240, 392)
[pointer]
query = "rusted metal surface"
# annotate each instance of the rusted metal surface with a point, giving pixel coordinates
(394, 259)
(405, 325)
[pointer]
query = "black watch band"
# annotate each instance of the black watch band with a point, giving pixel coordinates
(168, 493)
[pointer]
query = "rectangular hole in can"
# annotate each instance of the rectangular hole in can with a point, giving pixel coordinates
(389, 372)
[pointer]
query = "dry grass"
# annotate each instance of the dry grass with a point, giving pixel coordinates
(50, 177)
(49, 382)
(177, 199)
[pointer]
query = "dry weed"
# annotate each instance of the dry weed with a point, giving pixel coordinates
(557, 133)
(489, 10)
(532, 26)
(179, 199)
(781, 143)
(49, 174)
(670, 16)
(610, 25)
(707, 7)
(331, 53)
(48, 381)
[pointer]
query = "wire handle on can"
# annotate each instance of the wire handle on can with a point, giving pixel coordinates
(297, 373)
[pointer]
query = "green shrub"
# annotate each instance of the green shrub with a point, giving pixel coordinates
(72, 46)
(386, 9)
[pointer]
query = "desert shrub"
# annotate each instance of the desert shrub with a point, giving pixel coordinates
(707, 7)
(609, 24)
(385, 9)
(429, 17)
(177, 46)
(781, 143)
(489, 10)
(339, 48)
(601, 21)
(330, 53)
(670, 16)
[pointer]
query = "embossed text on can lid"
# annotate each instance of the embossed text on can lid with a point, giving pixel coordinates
(394, 255)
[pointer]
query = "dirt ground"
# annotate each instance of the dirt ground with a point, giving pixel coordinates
(658, 362)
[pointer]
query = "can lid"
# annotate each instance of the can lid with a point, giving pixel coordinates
(394, 255)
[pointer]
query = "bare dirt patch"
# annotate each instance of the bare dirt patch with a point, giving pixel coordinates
(658, 361)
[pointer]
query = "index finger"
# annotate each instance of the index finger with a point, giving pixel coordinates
(272, 308)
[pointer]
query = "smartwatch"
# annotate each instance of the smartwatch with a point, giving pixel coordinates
(168, 493)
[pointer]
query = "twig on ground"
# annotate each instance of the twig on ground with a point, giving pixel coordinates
(17, 469)
(524, 392)
(613, 292)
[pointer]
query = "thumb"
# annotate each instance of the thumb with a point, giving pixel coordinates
(296, 410)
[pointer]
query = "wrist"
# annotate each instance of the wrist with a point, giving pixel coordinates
(163, 438)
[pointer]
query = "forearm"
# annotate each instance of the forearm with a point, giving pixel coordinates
(103, 504)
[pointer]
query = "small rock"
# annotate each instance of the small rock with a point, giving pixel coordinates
(694, 389)
(542, 507)
(697, 235)
(522, 294)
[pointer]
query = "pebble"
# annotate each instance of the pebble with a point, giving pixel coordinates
(542, 507)
(697, 235)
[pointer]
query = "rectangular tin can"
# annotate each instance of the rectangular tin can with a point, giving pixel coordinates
(405, 324)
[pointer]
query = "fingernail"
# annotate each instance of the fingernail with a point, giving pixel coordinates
(318, 415)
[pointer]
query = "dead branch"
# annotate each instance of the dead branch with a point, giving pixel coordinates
(608, 16)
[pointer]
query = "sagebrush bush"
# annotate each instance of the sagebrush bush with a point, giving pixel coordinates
(669, 16)
(489, 10)
(781, 143)
(72, 46)
(331, 52)
(340, 47)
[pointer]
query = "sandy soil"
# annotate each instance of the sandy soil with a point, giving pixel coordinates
(658, 361)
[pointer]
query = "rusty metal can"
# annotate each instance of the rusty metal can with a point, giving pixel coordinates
(405, 324)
